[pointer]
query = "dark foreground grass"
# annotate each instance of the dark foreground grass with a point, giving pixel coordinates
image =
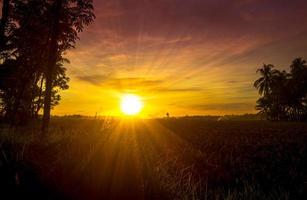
(155, 159)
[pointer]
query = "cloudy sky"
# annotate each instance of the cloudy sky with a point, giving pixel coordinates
(181, 56)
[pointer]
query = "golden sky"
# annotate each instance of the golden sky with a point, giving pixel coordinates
(185, 57)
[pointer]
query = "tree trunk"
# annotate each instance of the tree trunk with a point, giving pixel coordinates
(51, 64)
(39, 104)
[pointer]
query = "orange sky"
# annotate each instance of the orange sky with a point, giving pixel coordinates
(182, 57)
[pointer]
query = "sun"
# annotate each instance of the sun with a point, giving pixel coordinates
(131, 104)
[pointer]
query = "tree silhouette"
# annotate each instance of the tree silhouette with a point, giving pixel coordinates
(69, 18)
(35, 35)
(298, 83)
(22, 59)
(283, 95)
(265, 82)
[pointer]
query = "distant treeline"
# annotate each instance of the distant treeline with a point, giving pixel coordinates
(283, 94)
(34, 35)
(243, 117)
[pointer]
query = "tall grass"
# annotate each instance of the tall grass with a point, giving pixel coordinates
(156, 159)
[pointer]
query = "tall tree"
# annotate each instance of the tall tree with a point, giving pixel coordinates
(52, 60)
(22, 57)
(69, 18)
(298, 72)
(265, 82)
(23, 87)
(283, 95)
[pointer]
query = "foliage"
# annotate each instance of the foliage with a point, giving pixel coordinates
(283, 94)
(25, 31)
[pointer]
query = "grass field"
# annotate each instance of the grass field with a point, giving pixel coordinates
(185, 158)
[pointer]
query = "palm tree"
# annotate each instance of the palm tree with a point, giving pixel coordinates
(265, 82)
(298, 87)
(298, 66)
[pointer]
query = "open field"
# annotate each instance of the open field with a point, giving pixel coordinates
(186, 158)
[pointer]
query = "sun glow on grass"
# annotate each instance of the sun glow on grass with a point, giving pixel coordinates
(131, 104)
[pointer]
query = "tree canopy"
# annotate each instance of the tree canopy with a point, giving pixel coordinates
(34, 35)
(283, 94)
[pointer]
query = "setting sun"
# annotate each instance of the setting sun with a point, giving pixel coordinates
(131, 104)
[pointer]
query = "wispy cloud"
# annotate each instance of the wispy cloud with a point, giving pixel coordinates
(205, 49)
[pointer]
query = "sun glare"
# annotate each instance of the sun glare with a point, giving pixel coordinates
(131, 104)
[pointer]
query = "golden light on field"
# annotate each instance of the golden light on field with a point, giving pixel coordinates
(131, 104)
